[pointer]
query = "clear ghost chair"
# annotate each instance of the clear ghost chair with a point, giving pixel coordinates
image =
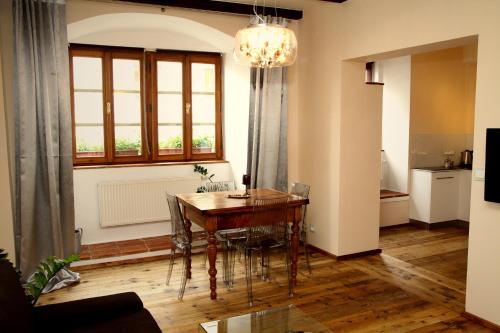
(262, 239)
(180, 242)
(302, 190)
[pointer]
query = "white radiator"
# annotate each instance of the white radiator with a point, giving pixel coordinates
(139, 201)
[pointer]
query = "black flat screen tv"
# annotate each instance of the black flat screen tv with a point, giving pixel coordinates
(492, 172)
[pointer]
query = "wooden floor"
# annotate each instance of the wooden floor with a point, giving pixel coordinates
(441, 251)
(373, 294)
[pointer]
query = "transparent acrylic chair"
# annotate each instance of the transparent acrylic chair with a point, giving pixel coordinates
(302, 190)
(180, 242)
(268, 233)
(224, 236)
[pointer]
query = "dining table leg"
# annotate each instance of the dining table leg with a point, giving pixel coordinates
(295, 244)
(212, 256)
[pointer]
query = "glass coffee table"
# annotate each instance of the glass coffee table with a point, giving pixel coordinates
(281, 320)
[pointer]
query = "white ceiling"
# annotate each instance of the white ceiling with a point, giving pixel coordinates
(291, 4)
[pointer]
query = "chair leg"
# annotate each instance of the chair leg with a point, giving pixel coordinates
(248, 273)
(289, 271)
(232, 263)
(306, 247)
(225, 263)
(205, 258)
(171, 265)
(184, 273)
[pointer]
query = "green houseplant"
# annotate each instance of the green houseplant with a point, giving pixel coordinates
(204, 174)
(171, 146)
(45, 271)
(126, 146)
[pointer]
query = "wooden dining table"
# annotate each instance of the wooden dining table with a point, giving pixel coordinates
(214, 211)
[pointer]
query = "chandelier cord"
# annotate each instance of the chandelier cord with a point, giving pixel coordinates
(255, 11)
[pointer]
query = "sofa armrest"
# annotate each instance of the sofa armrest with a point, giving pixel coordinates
(88, 310)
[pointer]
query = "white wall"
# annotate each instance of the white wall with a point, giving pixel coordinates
(396, 121)
(331, 33)
(360, 130)
(87, 206)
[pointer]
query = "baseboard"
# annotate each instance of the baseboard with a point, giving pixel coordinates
(437, 225)
(323, 252)
(481, 321)
(345, 256)
(394, 226)
(359, 254)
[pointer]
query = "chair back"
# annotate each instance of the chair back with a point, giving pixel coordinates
(274, 212)
(220, 186)
(301, 190)
(179, 233)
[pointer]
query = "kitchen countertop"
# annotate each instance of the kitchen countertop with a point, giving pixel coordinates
(441, 169)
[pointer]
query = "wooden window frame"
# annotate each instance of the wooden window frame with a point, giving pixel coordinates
(149, 104)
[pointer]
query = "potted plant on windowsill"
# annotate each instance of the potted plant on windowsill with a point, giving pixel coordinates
(85, 150)
(203, 144)
(127, 147)
(170, 147)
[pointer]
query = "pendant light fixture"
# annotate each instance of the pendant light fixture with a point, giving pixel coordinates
(265, 45)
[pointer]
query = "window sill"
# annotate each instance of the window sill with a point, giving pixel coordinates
(139, 165)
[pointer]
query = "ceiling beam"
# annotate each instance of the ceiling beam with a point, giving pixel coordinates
(222, 7)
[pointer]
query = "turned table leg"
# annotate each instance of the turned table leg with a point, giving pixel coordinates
(212, 256)
(295, 245)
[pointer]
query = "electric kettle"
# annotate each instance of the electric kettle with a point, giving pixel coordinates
(466, 159)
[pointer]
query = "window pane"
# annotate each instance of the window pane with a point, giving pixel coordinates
(127, 107)
(170, 107)
(87, 73)
(88, 107)
(203, 107)
(89, 141)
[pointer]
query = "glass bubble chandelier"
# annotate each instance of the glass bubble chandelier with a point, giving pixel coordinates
(265, 45)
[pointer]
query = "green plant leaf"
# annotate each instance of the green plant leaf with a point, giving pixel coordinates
(46, 271)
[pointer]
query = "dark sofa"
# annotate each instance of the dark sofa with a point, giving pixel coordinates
(118, 313)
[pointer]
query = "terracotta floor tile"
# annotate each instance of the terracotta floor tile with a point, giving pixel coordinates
(104, 254)
(85, 256)
(103, 247)
(158, 247)
(133, 249)
(164, 238)
(131, 242)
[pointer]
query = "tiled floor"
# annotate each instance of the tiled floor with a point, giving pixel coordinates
(126, 247)
(114, 249)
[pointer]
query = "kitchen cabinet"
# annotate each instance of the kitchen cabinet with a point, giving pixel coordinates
(439, 196)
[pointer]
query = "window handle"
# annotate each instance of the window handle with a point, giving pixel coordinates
(108, 108)
(188, 108)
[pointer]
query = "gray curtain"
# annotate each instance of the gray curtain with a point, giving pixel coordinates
(44, 167)
(267, 161)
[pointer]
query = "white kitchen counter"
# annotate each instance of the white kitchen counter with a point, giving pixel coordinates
(440, 195)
